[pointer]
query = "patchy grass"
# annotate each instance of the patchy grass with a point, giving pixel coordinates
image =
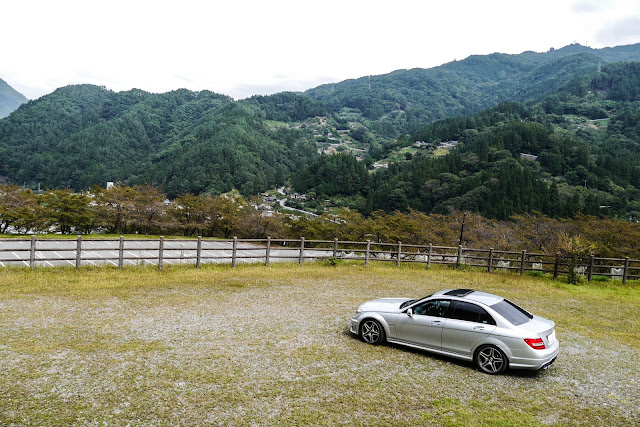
(269, 345)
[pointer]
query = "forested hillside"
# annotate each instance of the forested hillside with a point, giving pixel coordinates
(577, 151)
(404, 100)
(233, 148)
(186, 141)
(10, 99)
(555, 132)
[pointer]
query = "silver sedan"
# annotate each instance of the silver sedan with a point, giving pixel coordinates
(466, 324)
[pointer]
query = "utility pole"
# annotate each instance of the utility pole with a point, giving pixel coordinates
(464, 217)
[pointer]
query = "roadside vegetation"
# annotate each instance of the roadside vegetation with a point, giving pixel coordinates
(269, 345)
(144, 210)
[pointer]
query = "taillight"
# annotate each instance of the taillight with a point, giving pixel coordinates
(535, 343)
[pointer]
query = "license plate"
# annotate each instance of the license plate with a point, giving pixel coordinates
(551, 338)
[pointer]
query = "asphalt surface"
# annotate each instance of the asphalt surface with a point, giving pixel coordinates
(51, 253)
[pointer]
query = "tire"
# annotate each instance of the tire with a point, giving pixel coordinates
(491, 360)
(372, 332)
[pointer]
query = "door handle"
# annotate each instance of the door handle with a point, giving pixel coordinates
(478, 328)
(436, 322)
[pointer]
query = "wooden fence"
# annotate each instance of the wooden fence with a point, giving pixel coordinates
(118, 252)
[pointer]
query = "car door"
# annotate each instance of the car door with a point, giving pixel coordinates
(466, 325)
(423, 326)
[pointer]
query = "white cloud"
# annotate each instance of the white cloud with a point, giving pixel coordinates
(589, 6)
(624, 31)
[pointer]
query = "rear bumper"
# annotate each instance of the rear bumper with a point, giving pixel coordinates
(546, 365)
(539, 361)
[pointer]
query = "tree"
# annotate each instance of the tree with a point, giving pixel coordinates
(18, 208)
(115, 208)
(191, 213)
(68, 211)
(148, 208)
(257, 223)
(575, 251)
(226, 215)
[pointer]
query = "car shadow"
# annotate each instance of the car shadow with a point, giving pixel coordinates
(515, 373)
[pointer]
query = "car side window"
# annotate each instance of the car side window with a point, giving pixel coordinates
(471, 313)
(436, 308)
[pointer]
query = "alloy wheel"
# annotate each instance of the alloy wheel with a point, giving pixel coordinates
(491, 360)
(371, 332)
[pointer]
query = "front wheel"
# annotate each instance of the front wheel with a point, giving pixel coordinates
(372, 332)
(491, 360)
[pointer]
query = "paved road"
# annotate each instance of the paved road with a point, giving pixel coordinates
(51, 253)
(283, 202)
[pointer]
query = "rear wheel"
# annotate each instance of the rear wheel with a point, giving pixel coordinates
(372, 332)
(491, 360)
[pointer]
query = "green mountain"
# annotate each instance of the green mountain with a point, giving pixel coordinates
(555, 132)
(10, 99)
(80, 136)
(576, 151)
(404, 100)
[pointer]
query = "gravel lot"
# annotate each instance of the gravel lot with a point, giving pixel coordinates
(270, 346)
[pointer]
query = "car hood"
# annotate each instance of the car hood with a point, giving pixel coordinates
(383, 304)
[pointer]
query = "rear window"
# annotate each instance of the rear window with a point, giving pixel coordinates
(512, 312)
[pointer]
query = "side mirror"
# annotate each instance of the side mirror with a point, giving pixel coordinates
(410, 312)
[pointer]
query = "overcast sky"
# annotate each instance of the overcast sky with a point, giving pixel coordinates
(246, 47)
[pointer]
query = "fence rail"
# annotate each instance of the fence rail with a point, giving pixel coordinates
(120, 252)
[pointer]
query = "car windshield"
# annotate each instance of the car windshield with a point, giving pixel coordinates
(407, 303)
(411, 301)
(512, 312)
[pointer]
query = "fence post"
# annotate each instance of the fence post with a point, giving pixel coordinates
(78, 252)
(556, 264)
(335, 247)
(161, 253)
(626, 270)
(301, 256)
(523, 257)
(459, 255)
(268, 251)
(490, 260)
(590, 273)
(399, 253)
(199, 252)
(234, 251)
(366, 254)
(32, 255)
(429, 255)
(121, 253)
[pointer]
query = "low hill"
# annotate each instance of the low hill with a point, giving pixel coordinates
(83, 135)
(10, 99)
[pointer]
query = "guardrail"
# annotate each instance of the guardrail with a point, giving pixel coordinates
(118, 252)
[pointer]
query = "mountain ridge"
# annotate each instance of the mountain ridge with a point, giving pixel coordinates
(10, 99)
(202, 142)
(467, 86)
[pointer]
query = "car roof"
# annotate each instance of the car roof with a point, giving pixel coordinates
(471, 294)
